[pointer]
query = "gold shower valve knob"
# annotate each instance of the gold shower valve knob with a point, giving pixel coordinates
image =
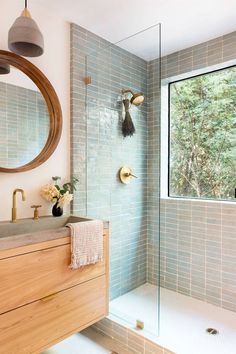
(126, 175)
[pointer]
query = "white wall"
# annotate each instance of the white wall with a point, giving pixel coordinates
(55, 64)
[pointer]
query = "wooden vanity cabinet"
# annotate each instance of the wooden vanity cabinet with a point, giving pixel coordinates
(42, 301)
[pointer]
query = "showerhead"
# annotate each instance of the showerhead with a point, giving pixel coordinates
(137, 98)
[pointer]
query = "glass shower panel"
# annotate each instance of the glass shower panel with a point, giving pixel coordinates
(130, 65)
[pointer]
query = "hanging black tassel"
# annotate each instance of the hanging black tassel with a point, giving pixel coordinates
(128, 128)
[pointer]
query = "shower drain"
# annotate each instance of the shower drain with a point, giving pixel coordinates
(212, 331)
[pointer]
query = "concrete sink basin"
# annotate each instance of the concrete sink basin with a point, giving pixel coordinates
(28, 231)
(29, 226)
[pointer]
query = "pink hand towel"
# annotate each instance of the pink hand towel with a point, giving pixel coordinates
(86, 243)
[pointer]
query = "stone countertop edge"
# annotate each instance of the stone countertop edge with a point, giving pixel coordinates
(15, 241)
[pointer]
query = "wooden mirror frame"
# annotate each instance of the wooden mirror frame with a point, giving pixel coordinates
(53, 105)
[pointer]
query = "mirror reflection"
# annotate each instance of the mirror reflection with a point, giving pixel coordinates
(24, 120)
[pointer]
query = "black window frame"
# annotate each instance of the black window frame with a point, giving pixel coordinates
(169, 137)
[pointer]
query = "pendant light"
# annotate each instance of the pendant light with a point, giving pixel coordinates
(4, 68)
(24, 37)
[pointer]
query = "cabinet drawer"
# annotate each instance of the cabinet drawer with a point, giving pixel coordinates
(37, 326)
(29, 277)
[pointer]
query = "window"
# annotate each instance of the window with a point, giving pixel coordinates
(202, 136)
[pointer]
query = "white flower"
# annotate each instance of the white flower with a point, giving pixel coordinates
(65, 199)
(50, 193)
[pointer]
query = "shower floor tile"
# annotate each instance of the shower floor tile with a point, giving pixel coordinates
(183, 321)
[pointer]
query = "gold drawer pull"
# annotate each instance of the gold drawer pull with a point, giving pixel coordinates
(48, 298)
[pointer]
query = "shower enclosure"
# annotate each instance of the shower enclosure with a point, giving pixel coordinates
(132, 209)
(197, 236)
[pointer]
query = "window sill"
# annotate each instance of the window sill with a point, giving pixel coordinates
(193, 200)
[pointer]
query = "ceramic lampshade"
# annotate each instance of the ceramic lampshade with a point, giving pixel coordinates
(4, 68)
(24, 37)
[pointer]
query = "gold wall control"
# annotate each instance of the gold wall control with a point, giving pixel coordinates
(126, 175)
(14, 209)
(88, 80)
(36, 212)
(139, 324)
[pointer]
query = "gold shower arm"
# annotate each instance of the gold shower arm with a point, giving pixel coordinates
(127, 91)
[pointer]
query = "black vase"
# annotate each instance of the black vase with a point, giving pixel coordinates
(56, 210)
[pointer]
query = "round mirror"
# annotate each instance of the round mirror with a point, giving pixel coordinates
(30, 115)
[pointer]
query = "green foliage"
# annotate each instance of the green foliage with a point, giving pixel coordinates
(67, 187)
(203, 136)
(71, 186)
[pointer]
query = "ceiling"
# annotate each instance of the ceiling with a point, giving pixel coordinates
(184, 22)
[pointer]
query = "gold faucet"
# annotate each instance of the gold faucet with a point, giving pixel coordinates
(13, 219)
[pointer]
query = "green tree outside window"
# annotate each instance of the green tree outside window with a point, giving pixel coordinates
(202, 160)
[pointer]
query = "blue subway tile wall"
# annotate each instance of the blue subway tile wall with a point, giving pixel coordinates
(198, 250)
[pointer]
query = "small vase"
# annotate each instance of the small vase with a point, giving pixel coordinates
(56, 210)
